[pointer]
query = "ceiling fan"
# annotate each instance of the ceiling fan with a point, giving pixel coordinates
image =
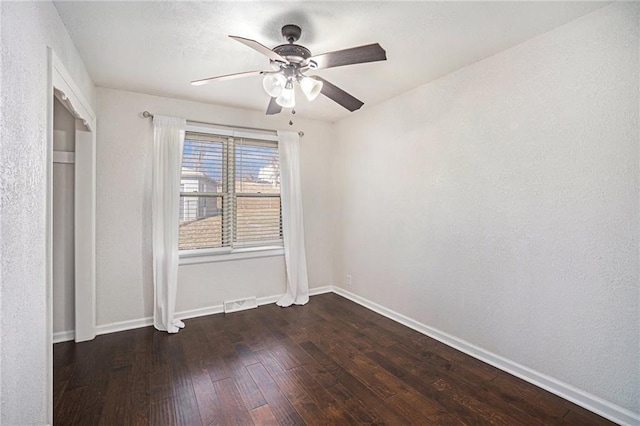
(290, 62)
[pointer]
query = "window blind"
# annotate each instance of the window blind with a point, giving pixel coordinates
(230, 193)
(257, 193)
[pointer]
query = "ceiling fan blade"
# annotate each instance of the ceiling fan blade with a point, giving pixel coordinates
(260, 48)
(226, 77)
(338, 95)
(273, 107)
(355, 55)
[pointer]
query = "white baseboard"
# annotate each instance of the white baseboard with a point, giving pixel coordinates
(267, 300)
(114, 327)
(191, 313)
(200, 312)
(64, 336)
(584, 399)
(312, 292)
(182, 315)
(320, 290)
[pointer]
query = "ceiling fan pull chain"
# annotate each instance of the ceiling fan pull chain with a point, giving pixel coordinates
(293, 111)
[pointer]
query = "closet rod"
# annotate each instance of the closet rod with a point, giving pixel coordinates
(147, 114)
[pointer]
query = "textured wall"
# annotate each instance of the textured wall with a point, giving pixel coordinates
(500, 204)
(27, 28)
(124, 275)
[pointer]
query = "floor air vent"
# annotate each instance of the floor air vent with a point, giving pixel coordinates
(240, 305)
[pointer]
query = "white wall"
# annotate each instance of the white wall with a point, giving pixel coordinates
(27, 28)
(500, 204)
(63, 291)
(124, 275)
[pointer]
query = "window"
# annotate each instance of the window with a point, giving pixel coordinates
(229, 193)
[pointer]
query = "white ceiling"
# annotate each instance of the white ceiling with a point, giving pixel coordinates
(158, 47)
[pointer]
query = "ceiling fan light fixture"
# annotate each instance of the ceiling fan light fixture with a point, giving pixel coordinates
(287, 98)
(274, 84)
(310, 87)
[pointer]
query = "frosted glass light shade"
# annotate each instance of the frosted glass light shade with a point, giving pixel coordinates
(273, 84)
(310, 87)
(287, 98)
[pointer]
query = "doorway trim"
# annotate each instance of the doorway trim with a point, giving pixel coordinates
(61, 85)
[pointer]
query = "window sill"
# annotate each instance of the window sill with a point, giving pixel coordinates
(193, 258)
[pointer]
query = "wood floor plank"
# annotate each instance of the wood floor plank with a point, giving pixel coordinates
(477, 411)
(64, 354)
(66, 410)
(245, 354)
(356, 389)
(113, 410)
(480, 412)
(330, 361)
(138, 408)
(248, 389)
(444, 418)
(288, 354)
(233, 409)
(428, 363)
(207, 399)
(270, 362)
(331, 408)
(62, 375)
(279, 404)
(263, 416)
(356, 408)
(162, 412)
(411, 369)
(160, 386)
(184, 398)
(299, 398)
(412, 405)
(95, 367)
(319, 373)
(377, 379)
(161, 406)
(326, 363)
(197, 357)
(537, 403)
(435, 352)
(85, 360)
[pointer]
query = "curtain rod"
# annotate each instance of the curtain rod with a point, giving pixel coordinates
(147, 114)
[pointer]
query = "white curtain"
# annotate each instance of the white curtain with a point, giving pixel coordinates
(168, 139)
(292, 223)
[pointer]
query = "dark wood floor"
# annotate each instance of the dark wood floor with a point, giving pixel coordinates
(329, 362)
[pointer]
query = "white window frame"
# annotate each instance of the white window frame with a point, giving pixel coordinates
(220, 254)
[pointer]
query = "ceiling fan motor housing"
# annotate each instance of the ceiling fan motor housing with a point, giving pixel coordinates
(293, 53)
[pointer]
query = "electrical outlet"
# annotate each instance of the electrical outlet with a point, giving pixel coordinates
(349, 280)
